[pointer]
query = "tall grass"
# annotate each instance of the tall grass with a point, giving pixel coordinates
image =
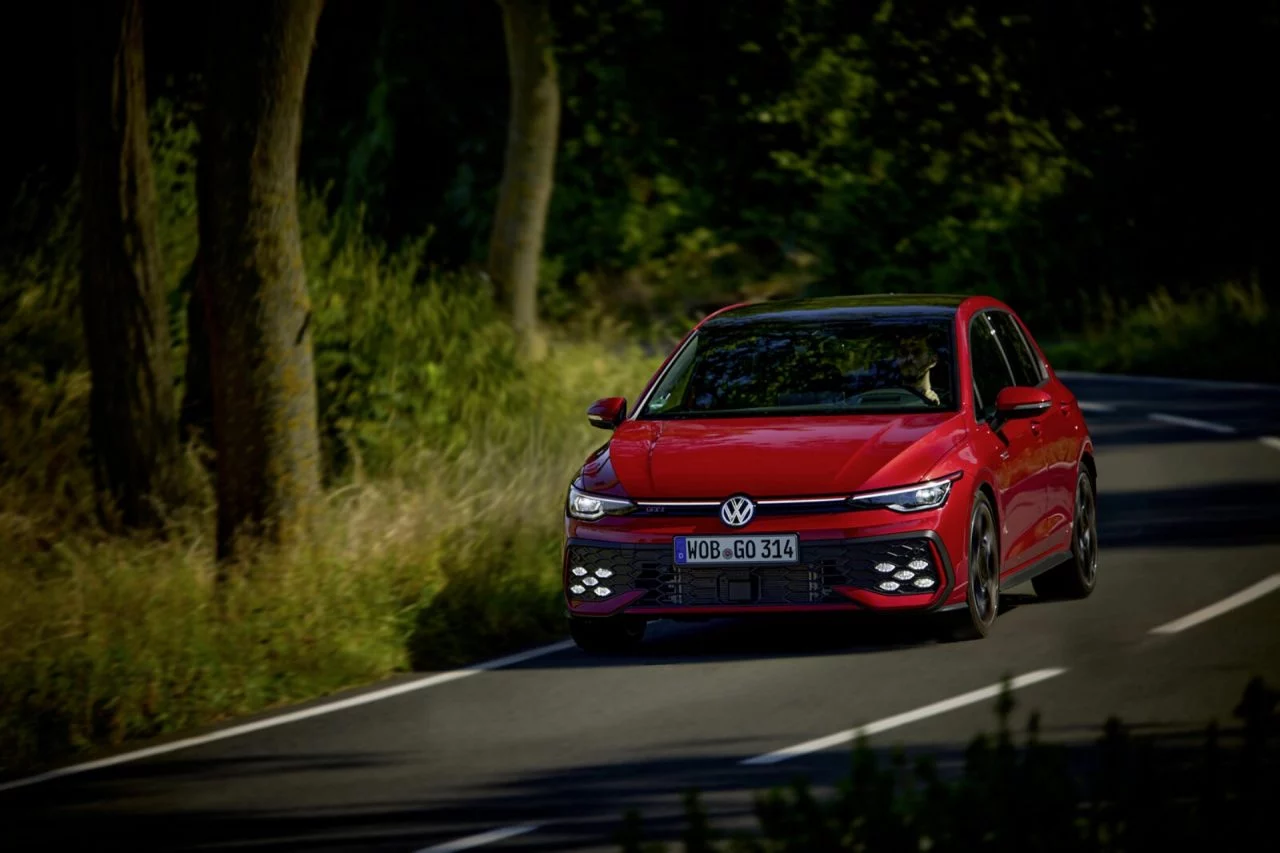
(447, 463)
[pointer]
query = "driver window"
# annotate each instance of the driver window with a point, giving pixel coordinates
(1026, 367)
(990, 370)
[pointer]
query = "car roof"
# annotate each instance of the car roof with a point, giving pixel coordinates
(833, 307)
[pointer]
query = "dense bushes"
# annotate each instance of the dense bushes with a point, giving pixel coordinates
(1131, 793)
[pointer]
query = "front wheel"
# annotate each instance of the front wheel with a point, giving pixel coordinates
(1077, 577)
(612, 635)
(982, 595)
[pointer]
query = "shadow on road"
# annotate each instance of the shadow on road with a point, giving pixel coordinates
(1211, 515)
(578, 807)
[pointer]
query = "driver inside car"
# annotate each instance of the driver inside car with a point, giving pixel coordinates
(914, 361)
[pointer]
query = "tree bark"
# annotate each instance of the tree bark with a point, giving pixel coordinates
(519, 224)
(258, 310)
(133, 423)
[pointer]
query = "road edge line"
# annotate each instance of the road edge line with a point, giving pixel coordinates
(1225, 384)
(907, 717)
(1245, 596)
(1192, 423)
(470, 842)
(288, 717)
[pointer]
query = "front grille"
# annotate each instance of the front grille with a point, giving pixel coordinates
(822, 565)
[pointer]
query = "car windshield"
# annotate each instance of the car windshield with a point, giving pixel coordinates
(864, 364)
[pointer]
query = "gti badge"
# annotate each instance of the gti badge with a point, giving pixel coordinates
(737, 511)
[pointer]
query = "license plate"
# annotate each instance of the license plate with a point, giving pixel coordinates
(731, 550)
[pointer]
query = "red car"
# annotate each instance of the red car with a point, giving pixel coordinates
(875, 453)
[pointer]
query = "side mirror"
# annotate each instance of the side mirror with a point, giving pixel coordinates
(1020, 402)
(607, 413)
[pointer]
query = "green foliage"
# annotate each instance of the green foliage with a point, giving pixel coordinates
(804, 146)
(1143, 794)
(911, 135)
(174, 141)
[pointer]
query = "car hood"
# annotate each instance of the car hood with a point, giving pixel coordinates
(771, 457)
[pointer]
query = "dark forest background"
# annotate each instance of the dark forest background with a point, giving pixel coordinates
(1066, 156)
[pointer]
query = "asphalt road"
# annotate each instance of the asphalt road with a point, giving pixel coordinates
(547, 752)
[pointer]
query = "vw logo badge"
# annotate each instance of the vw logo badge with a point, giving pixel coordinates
(737, 511)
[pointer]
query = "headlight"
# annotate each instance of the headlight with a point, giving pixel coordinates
(590, 507)
(930, 495)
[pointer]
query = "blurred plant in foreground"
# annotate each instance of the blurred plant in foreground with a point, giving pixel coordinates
(1129, 793)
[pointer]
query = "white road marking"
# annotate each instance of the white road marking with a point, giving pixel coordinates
(1192, 423)
(850, 735)
(473, 841)
(1231, 602)
(1165, 380)
(290, 717)
(1271, 441)
(1095, 407)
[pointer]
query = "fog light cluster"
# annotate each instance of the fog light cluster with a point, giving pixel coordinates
(917, 573)
(590, 581)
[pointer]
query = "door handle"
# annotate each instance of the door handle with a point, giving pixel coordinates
(1065, 408)
(1035, 427)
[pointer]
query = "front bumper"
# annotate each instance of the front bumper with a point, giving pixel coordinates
(830, 575)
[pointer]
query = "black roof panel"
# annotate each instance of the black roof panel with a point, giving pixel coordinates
(918, 304)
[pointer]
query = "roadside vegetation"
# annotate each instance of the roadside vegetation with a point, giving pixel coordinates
(1214, 333)
(1136, 789)
(448, 458)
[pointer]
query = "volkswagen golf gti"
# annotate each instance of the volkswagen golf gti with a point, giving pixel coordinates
(907, 454)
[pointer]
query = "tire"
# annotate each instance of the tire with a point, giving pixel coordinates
(614, 635)
(982, 586)
(1077, 577)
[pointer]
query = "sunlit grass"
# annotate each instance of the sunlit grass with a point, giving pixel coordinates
(445, 557)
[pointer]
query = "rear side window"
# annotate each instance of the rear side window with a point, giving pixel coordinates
(990, 370)
(1026, 367)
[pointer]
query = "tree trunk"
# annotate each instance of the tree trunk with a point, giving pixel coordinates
(258, 311)
(519, 223)
(133, 422)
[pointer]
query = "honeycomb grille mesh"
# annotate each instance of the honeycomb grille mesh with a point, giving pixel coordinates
(822, 565)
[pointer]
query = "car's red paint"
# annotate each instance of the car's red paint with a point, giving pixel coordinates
(607, 413)
(761, 456)
(1019, 402)
(871, 599)
(1028, 464)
